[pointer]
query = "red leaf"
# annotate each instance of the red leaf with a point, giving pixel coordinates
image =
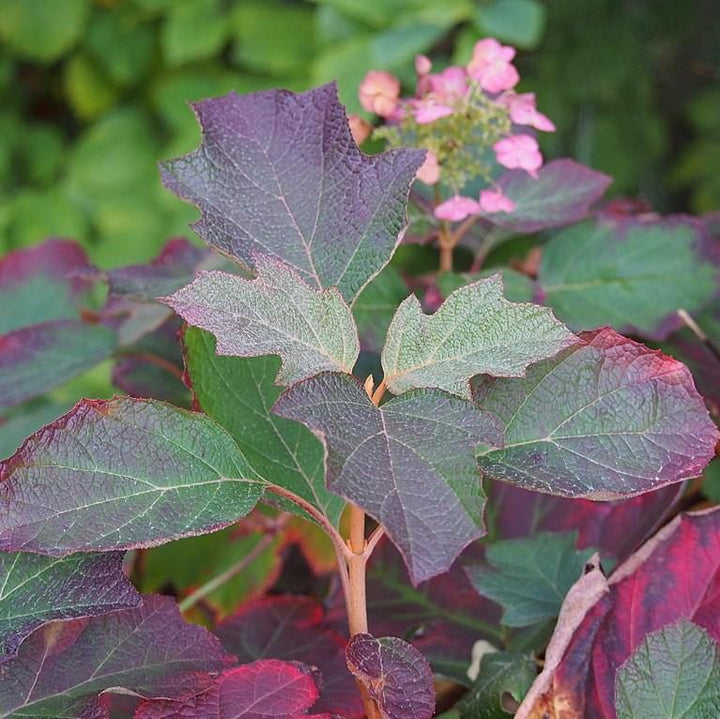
(294, 628)
(268, 689)
(676, 575)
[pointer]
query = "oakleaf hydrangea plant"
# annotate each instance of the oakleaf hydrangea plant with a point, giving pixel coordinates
(388, 457)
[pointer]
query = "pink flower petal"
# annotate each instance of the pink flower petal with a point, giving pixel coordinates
(426, 111)
(491, 67)
(423, 65)
(494, 201)
(457, 208)
(519, 151)
(523, 112)
(379, 92)
(429, 171)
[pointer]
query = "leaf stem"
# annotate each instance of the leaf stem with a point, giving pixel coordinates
(695, 328)
(154, 359)
(217, 581)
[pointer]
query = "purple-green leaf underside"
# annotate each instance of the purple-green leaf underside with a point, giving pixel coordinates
(395, 674)
(561, 195)
(61, 670)
(238, 393)
(35, 589)
(278, 174)
(122, 473)
(38, 358)
(475, 331)
(605, 419)
(410, 463)
(311, 330)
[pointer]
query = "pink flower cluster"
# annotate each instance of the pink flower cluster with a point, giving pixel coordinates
(489, 73)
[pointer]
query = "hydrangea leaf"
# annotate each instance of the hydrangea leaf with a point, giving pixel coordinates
(607, 418)
(122, 473)
(376, 305)
(395, 675)
(37, 589)
(63, 667)
(38, 358)
(173, 268)
(239, 393)
(630, 274)
(501, 674)
(279, 174)
(672, 577)
(615, 528)
(44, 339)
(44, 283)
(475, 331)
(268, 689)
(293, 628)
(152, 367)
(277, 313)
(530, 577)
(408, 463)
(673, 674)
(561, 195)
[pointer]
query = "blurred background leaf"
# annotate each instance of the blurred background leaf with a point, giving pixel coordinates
(95, 92)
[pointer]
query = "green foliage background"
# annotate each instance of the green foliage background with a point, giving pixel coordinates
(94, 93)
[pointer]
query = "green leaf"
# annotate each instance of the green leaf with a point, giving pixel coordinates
(36, 589)
(605, 419)
(502, 674)
(632, 275)
(277, 313)
(193, 30)
(519, 22)
(39, 214)
(673, 674)
(274, 38)
(42, 30)
(475, 331)
(518, 287)
(530, 577)
(239, 393)
(122, 473)
(408, 463)
(122, 43)
(375, 306)
(87, 89)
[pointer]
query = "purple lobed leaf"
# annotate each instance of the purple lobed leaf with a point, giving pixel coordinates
(561, 195)
(395, 674)
(267, 689)
(122, 473)
(410, 463)
(62, 669)
(278, 174)
(606, 418)
(276, 313)
(37, 589)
